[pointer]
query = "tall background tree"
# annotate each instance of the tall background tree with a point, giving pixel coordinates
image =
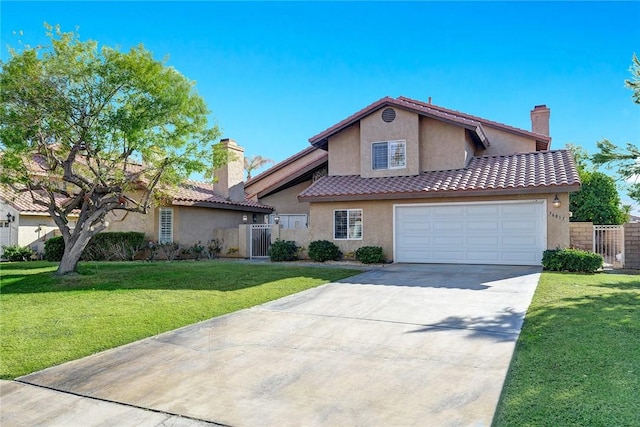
(252, 163)
(90, 129)
(625, 161)
(598, 200)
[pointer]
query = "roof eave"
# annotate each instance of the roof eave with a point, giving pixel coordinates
(224, 206)
(565, 188)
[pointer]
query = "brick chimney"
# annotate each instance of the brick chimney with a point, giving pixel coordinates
(540, 119)
(230, 177)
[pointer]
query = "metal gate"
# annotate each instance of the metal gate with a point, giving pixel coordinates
(260, 240)
(608, 241)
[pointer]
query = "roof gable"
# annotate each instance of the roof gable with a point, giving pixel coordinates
(472, 123)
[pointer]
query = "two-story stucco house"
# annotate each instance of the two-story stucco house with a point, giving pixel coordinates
(428, 185)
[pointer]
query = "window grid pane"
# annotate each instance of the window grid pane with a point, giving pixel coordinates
(397, 154)
(379, 155)
(355, 224)
(340, 225)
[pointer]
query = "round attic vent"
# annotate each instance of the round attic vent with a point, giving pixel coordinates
(388, 115)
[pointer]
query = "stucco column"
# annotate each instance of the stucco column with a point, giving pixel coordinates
(244, 234)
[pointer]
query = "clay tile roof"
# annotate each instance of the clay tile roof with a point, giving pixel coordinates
(192, 193)
(189, 193)
(21, 199)
(538, 171)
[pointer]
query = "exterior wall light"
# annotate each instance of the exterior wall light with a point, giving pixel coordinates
(556, 202)
(11, 218)
(276, 218)
(245, 218)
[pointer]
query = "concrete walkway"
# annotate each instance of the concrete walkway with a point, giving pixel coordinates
(405, 345)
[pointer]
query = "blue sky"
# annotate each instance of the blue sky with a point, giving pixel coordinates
(276, 73)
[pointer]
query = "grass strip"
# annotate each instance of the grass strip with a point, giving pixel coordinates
(577, 361)
(46, 320)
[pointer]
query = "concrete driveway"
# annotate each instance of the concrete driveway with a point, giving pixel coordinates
(404, 345)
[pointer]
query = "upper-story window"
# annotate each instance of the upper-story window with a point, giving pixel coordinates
(389, 155)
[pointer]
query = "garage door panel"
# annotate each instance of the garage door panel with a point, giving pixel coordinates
(447, 226)
(447, 211)
(487, 226)
(448, 240)
(414, 240)
(518, 224)
(486, 233)
(519, 209)
(483, 210)
(449, 256)
(525, 241)
(482, 240)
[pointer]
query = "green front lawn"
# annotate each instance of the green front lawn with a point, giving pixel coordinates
(577, 362)
(46, 320)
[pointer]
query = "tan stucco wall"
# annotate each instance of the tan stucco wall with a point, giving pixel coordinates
(130, 221)
(286, 201)
(374, 129)
(193, 224)
(443, 146)
(503, 143)
(344, 152)
(229, 237)
(378, 220)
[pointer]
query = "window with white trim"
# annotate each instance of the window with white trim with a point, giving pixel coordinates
(347, 224)
(165, 234)
(389, 155)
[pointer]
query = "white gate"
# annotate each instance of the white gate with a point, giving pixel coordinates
(260, 240)
(608, 241)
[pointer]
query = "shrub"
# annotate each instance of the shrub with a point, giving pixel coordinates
(283, 250)
(54, 249)
(574, 260)
(214, 248)
(323, 250)
(17, 253)
(370, 255)
(114, 246)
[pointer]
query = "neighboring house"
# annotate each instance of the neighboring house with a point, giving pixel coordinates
(429, 184)
(194, 210)
(23, 222)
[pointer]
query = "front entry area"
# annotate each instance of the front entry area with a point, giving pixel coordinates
(503, 233)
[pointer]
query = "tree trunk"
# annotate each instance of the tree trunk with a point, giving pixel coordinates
(72, 253)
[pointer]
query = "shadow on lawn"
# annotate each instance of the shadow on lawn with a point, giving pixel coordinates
(183, 275)
(576, 363)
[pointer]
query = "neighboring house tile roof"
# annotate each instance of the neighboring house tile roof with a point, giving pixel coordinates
(22, 201)
(191, 193)
(473, 123)
(536, 172)
(196, 193)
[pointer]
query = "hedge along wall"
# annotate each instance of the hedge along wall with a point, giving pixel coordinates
(632, 245)
(581, 235)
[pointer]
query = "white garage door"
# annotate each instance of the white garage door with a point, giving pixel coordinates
(471, 233)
